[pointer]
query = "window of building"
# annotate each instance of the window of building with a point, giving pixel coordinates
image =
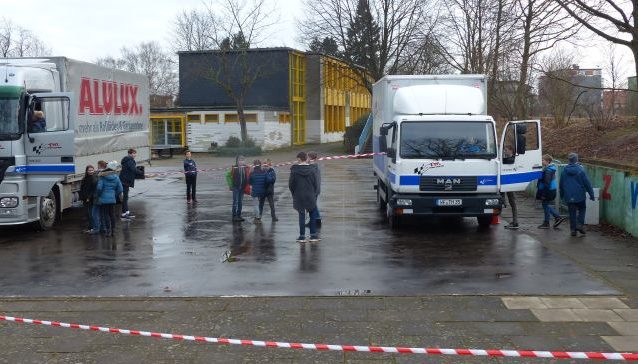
(211, 118)
(284, 118)
(234, 118)
(193, 118)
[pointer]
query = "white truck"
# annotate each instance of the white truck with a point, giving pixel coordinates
(441, 156)
(90, 113)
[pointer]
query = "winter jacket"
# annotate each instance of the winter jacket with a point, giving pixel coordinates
(271, 177)
(109, 187)
(546, 186)
(258, 182)
(318, 176)
(190, 167)
(129, 171)
(88, 188)
(303, 185)
(239, 177)
(574, 183)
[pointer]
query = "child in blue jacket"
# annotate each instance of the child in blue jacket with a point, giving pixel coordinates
(109, 187)
(190, 172)
(546, 192)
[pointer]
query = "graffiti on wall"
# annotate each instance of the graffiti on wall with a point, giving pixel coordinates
(634, 194)
(607, 183)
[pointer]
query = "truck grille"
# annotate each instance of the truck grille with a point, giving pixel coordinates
(447, 183)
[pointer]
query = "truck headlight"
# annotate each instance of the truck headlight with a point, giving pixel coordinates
(404, 202)
(8, 202)
(492, 202)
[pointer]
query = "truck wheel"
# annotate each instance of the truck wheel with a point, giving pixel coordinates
(484, 221)
(380, 202)
(48, 212)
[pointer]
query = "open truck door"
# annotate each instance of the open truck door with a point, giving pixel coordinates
(521, 155)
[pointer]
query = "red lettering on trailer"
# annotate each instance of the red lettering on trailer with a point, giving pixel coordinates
(102, 97)
(86, 100)
(96, 98)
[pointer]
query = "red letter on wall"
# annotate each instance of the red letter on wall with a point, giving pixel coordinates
(606, 194)
(86, 100)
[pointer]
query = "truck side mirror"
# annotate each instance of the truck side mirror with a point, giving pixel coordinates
(383, 143)
(391, 153)
(383, 131)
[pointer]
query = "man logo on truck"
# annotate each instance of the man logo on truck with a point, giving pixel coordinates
(448, 182)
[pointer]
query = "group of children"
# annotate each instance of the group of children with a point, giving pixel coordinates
(101, 188)
(259, 183)
(573, 189)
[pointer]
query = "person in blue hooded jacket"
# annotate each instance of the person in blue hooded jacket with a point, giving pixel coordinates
(574, 185)
(108, 188)
(546, 188)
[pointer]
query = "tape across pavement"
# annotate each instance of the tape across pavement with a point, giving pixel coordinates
(328, 158)
(330, 347)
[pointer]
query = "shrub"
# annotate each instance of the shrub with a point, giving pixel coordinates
(351, 137)
(233, 142)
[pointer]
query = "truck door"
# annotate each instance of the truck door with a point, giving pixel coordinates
(49, 144)
(520, 154)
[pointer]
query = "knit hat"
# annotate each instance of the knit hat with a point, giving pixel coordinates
(112, 165)
(572, 158)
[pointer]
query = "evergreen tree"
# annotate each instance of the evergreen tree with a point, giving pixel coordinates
(328, 46)
(362, 40)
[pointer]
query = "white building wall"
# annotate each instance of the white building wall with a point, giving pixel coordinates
(267, 132)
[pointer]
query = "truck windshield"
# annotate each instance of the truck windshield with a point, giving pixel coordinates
(447, 140)
(9, 110)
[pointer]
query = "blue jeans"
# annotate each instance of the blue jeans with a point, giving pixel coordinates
(576, 214)
(549, 210)
(313, 222)
(95, 217)
(238, 196)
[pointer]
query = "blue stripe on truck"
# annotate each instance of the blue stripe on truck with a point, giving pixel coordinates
(46, 168)
(413, 180)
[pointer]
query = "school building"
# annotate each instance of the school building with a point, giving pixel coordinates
(296, 98)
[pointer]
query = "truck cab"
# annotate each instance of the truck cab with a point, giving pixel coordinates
(438, 153)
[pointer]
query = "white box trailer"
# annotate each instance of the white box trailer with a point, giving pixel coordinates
(91, 113)
(441, 152)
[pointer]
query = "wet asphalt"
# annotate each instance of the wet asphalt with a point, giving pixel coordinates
(174, 249)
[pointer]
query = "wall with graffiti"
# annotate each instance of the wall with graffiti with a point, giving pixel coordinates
(618, 196)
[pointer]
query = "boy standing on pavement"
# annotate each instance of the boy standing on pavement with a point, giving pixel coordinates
(312, 157)
(237, 180)
(271, 178)
(546, 193)
(257, 182)
(127, 176)
(190, 173)
(574, 185)
(303, 186)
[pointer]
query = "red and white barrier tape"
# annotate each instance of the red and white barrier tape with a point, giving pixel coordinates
(334, 157)
(328, 347)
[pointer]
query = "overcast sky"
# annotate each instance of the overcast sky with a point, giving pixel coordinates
(90, 29)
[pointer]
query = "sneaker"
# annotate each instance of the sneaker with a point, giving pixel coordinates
(314, 239)
(544, 225)
(301, 239)
(558, 221)
(93, 232)
(573, 233)
(257, 220)
(125, 214)
(581, 229)
(512, 226)
(274, 218)
(236, 219)
(189, 201)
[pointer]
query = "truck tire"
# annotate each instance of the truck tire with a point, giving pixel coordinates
(393, 219)
(48, 212)
(484, 221)
(380, 202)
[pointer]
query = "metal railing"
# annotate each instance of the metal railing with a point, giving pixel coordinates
(365, 133)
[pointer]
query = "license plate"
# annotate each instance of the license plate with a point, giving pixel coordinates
(449, 202)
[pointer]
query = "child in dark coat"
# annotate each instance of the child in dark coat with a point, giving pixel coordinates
(574, 185)
(237, 179)
(190, 174)
(87, 194)
(304, 188)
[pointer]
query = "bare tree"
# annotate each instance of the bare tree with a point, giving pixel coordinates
(193, 31)
(16, 41)
(400, 23)
(147, 58)
(557, 97)
(542, 25)
(234, 26)
(614, 21)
